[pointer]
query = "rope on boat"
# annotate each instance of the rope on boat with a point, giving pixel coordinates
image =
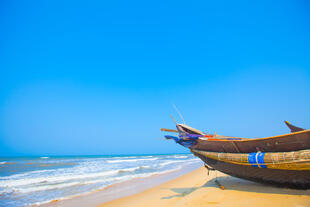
(296, 160)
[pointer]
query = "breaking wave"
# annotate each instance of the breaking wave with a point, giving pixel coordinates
(47, 178)
(130, 160)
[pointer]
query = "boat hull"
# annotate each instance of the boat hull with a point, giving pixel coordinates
(283, 143)
(289, 178)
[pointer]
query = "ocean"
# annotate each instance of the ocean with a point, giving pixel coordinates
(36, 180)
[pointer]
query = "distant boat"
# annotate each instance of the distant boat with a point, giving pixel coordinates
(282, 160)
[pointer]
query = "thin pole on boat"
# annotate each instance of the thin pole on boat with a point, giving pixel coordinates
(174, 120)
(169, 130)
(174, 106)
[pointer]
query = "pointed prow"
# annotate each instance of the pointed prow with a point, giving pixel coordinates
(183, 128)
(293, 128)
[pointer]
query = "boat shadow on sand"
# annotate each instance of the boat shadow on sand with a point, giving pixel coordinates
(236, 184)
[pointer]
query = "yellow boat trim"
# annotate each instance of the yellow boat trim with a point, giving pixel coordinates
(252, 139)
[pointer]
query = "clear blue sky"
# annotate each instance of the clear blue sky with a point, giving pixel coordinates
(98, 77)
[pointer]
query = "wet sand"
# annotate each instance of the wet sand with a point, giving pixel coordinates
(198, 189)
(120, 190)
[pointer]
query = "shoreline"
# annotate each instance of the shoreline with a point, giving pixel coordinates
(120, 190)
(188, 187)
(197, 188)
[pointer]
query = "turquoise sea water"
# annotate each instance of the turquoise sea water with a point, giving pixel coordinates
(35, 180)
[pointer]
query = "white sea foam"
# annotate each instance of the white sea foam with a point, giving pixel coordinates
(3, 162)
(170, 162)
(133, 169)
(44, 157)
(176, 161)
(53, 179)
(179, 156)
(42, 184)
(130, 160)
(12, 182)
(49, 186)
(116, 180)
(46, 187)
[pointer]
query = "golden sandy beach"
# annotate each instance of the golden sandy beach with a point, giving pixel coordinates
(198, 189)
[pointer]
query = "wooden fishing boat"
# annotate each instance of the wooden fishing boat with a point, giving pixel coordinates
(282, 160)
